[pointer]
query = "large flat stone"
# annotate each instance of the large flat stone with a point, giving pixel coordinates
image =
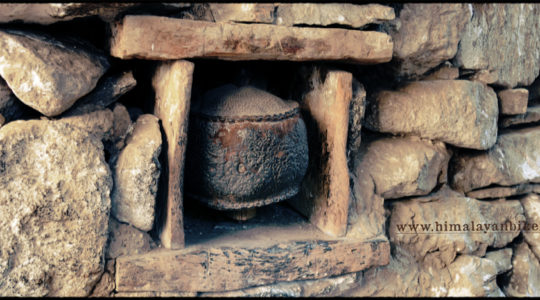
(243, 12)
(504, 37)
(323, 14)
(514, 159)
(161, 38)
(54, 209)
(459, 112)
(47, 74)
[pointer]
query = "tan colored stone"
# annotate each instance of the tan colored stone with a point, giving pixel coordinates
(172, 84)
(392, 168)
(485, 76)
(401, 167)
(426, 34)
(243, 12)
(161, 38)
(525, 275)
(156, 294)
(531, 207)
(108, 90)
(459, 112)
(446, 72)
(513, 101)
(47, 74)
(98, 123)
(449, 222)
(531, 116)
(325, 193)
(502, 191)
(466, 276)
(476, 277)
(127, 240)
(323, 14)
(54, 209)
(505, 38)
(136, 175)
(230, 268)
(514, 159)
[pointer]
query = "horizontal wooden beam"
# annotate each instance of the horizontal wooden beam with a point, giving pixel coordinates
(162, 38)
(230, 268)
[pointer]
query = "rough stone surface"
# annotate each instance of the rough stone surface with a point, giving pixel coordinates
(161, 38)
(401, 167)
(47, 74)
(531, 207)
(466, 276)
(136, 174)
(122, 126)
(2, 120)
(514, 159)
(504, 38)
(426, 34)
(127, 240)
(48, 13)
(172, 84)
(459, 112)
(450, 217)
(243, 12)
(108, 90)
(445, 72)
(356, 117)
(99, 123)
(54, 203)
(513, 101)
(106, 284)
(532, 115)
(10, 107)
(323, 14)
(325, 192)
(485, 76)
(525, 274)
(503, 191)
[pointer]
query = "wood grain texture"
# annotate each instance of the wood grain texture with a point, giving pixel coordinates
(325, 192)
(172, 84)
(230, 268)
(161, 38)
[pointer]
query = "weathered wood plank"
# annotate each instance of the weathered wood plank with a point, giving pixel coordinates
(172, 84)
(229, 268)
(161, 38)
(325, 192)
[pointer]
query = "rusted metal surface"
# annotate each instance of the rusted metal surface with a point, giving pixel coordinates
(239, 154)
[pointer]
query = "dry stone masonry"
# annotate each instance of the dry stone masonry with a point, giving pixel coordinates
(423, 131)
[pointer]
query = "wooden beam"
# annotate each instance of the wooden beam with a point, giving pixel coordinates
(172, 84)
(325, 192)
(161, 38)
(230, 268)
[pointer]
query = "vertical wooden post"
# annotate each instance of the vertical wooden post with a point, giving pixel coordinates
(325, 192)
(172, 84)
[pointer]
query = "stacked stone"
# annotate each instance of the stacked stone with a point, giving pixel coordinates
(451, 138)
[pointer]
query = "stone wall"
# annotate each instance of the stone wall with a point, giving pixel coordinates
(426, 120)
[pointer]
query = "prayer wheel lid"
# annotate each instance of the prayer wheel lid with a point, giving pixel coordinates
(232, 101)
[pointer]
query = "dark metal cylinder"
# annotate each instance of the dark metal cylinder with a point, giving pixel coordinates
(246, 148)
